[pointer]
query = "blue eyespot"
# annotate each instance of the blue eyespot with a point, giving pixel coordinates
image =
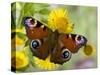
(66, 54)
(35, 44)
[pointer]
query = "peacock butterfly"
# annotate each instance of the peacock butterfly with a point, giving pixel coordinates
(45, 42)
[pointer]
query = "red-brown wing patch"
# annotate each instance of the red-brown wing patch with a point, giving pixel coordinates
(36, 33)
(70, 43)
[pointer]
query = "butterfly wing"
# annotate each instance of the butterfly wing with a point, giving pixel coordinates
(39, 35)
(67, 45)
(35, 29)
(73, 42)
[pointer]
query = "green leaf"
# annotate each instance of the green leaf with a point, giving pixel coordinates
(44, 11)
(21, 35)
(27, 43)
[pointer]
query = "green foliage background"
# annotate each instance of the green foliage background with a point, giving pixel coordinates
(84, 18)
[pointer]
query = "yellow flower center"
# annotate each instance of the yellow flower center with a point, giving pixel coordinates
(88, 50)
(62, 23)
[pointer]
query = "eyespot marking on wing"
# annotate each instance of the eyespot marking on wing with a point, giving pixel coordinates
(35, 24)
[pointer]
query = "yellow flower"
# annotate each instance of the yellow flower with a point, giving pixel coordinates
(90, 50)
(19, 60)
(17, 43)
(45, 64)
(16, 40)
(19, 30)
(59, 20)
(19, 39)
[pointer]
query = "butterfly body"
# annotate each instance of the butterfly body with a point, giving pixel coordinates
(45, 42)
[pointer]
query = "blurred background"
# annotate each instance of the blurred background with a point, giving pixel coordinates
(83, 17)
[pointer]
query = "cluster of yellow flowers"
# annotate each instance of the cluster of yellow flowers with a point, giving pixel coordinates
(19, 60)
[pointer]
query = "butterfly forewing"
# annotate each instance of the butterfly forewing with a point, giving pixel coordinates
(35, 29)
(73, 41)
